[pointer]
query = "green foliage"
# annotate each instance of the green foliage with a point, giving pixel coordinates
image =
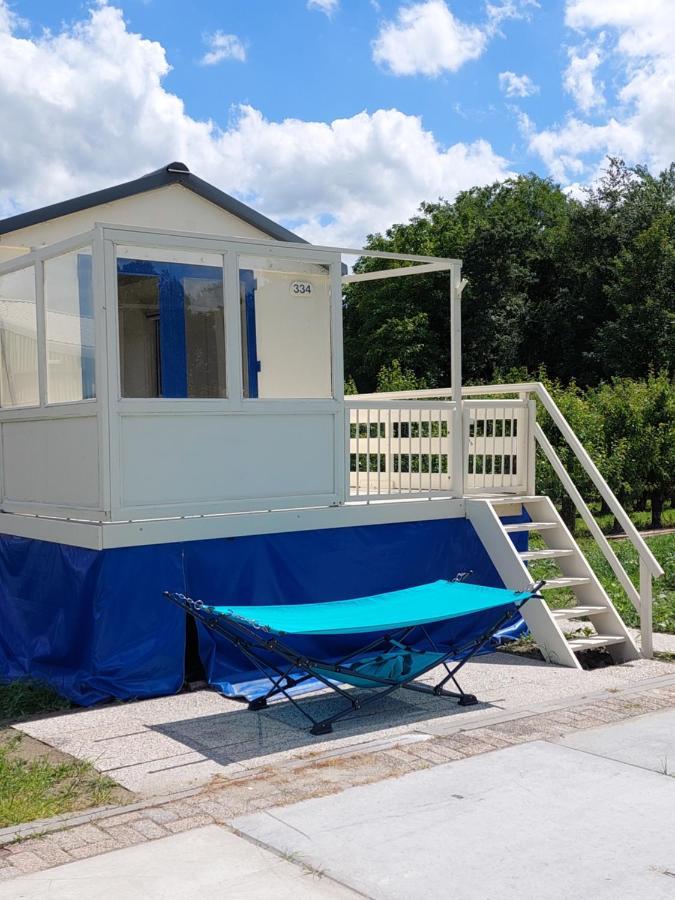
(583, 287)
(628, 428)
(393, 378)
(28, 696)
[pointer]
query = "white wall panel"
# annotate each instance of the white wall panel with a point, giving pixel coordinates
(172, 207)
(52, 462)
(202, 459)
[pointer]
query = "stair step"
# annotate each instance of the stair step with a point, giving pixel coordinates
(594, 640)
(530, 526)
(578, 612)
(552, 583)
(544, 554)
(511, 499)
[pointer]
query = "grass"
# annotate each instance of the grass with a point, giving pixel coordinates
(663, 547)
(27, 697)
(38, 787)
(641, 520)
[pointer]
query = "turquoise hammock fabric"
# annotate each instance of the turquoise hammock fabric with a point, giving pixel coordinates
(419, 605)
(390, 624)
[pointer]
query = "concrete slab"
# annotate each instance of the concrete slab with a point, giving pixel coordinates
(647, 741)
(536, 820)
(203, 864)
(156, 747)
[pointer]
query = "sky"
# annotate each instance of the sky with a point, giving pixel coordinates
(336, 118)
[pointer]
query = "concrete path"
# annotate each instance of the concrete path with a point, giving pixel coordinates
(208, 863)
(591, 815)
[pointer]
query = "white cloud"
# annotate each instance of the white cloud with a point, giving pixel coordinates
(222, 46)
(579, 78)
(517, 85)
(426, 38)
(325, 6)
(88, 109)
(638, 45)
(509, 9)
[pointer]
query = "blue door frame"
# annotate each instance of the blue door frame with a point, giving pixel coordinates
(173, 377)
(172, 345)
(247, 285)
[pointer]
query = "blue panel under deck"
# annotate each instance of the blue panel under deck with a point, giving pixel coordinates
(96, 626)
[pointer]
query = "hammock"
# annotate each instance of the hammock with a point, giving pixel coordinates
(393, 624)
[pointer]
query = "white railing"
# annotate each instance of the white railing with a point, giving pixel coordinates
(496, 445)
(399, 448)
(408, 447)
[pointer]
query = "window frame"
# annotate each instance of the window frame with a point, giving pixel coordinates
(230, 249)
(37, 257)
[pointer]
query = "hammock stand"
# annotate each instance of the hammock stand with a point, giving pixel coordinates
(386, 662)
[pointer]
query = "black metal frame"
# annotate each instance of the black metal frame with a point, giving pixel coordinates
(298, 668)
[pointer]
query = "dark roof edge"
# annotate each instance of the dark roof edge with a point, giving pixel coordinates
(174, 173)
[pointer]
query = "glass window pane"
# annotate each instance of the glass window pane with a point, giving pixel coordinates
(171, 323)
(69, 328)
(18, 340)
(285, 316)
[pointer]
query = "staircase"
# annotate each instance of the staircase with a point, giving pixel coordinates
(592, 608)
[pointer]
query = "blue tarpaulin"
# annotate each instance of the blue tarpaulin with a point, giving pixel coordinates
(96, 626)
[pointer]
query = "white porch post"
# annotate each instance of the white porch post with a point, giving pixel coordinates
(456, 287)
(646, 612)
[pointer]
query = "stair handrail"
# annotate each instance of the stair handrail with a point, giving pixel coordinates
(601, 485)
(649, 566)
(551, 407)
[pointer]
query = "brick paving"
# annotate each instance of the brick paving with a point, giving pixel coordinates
(302, 779)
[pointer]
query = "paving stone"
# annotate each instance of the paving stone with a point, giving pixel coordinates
(77, 837)
(648, 702)
(436, 752)
(27, 861)
(407, 760)
(488, 736)
(603, 713)
(104, 846)
(123, 835)
(195, 821)
(24, 846)
(161, 814)
(469, 745)
(628, 706)
(122, 819)
(550, 726)
(219, 810)
(666, 694)
(51, 854)
(148, 829)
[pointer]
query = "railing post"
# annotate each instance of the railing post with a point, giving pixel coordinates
(531, 446)
(457, 435)
(646, 620)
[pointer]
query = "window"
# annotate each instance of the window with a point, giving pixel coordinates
(285, 316)
(171, 323)
(69, 328)
(18, 340)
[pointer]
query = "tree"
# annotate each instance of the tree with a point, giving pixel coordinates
(506, 234)
(585, 287)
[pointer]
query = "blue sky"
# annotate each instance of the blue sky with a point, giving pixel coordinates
(334, 116)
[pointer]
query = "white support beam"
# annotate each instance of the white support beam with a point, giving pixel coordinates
(380, 274)
(457, 436)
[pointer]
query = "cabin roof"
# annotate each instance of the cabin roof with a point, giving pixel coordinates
(173, 173)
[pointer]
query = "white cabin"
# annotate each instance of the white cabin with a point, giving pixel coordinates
(171, 370)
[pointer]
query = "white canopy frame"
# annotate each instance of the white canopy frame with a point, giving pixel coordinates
(424, 265)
